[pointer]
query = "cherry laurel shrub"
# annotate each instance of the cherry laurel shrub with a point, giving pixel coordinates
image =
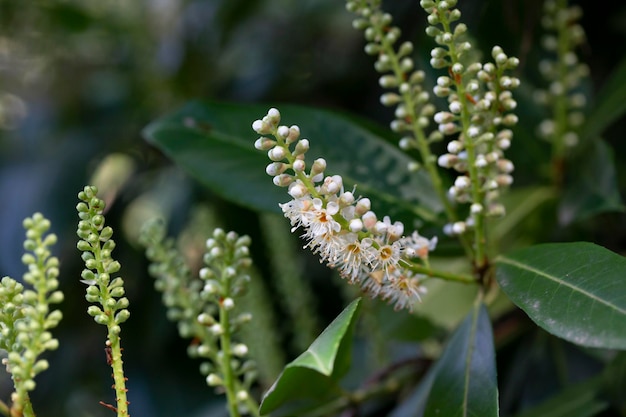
(404, 226)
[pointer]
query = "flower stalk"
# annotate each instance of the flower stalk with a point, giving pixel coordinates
(480, 102)
(413, 109)
(341, 228)
(205, 308)
(564, 73)
(26, 317)
(96, 245)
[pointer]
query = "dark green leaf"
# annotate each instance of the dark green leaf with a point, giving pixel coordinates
(465, 382)
(593, 188)
(523, 207)
(576, 291)
(415, 403)
(312, 378)
(609, 104)
(614, 381)
(575, 401)
(214, 142)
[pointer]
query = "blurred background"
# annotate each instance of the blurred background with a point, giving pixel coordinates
(80, 79)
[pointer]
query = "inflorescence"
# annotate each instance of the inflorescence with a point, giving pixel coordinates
(477, 122)
(205, 307)
(339, 227)
(96, 245)
(25, 314)
(479, 116)
(564, 74)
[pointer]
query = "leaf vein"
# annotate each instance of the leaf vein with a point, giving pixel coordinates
(559, 281)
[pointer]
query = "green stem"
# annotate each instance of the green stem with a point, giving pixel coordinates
(118, 373)
(559, 107)
(428, 159)
(4, 409)
(225, 363)
(23, 407)
(477, 192)
(434, 273)
(113, 339)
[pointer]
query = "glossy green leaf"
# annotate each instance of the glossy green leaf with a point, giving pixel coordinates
(214, 142)
(465, 383)
(576, 291)
(609, 104)
(312, 378)
(593, 188)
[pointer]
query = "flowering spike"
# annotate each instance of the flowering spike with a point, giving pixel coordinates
(345, 233)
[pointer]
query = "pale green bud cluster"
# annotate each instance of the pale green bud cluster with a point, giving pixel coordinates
(225, 278)
(205, 308)
(96, 245)
(412, 107)
(179, 290)
(479, 115)
(564, 73)
(25, 314)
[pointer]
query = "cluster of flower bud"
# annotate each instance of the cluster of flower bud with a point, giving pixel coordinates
(563, 72)
(179, 290)
(411, 101)
(225, 278)
(25, 314)
(479, 115)
(341, 228)
(96, 245)
(206, 308)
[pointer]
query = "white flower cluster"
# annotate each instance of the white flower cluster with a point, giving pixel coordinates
(478, 117)
(564, 73)
(342, 229)
(412, 107)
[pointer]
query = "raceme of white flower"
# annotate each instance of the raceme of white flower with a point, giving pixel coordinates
(564, 73)
(479, 115)
(341, 228)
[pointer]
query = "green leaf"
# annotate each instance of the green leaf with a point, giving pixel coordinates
(578, 400)
(214, 142)
(593, 188)
(312, 378)
(465, 382)
(609, 104)
(524, 206)
(447, 302)
(576, 291)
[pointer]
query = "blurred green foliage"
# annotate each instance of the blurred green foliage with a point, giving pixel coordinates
(80, 79)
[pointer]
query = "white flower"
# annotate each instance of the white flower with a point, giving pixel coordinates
(418, 246)
(354, 257)
(319, 219)
(386, 257)
(403, 291)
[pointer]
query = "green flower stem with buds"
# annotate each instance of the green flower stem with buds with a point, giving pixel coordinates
(560, 106)
(25, 316)
(204, 307)
(564, 74)
(227, 259)
(414, 110)
(477, 193)
(97, 245)
(226, 358)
